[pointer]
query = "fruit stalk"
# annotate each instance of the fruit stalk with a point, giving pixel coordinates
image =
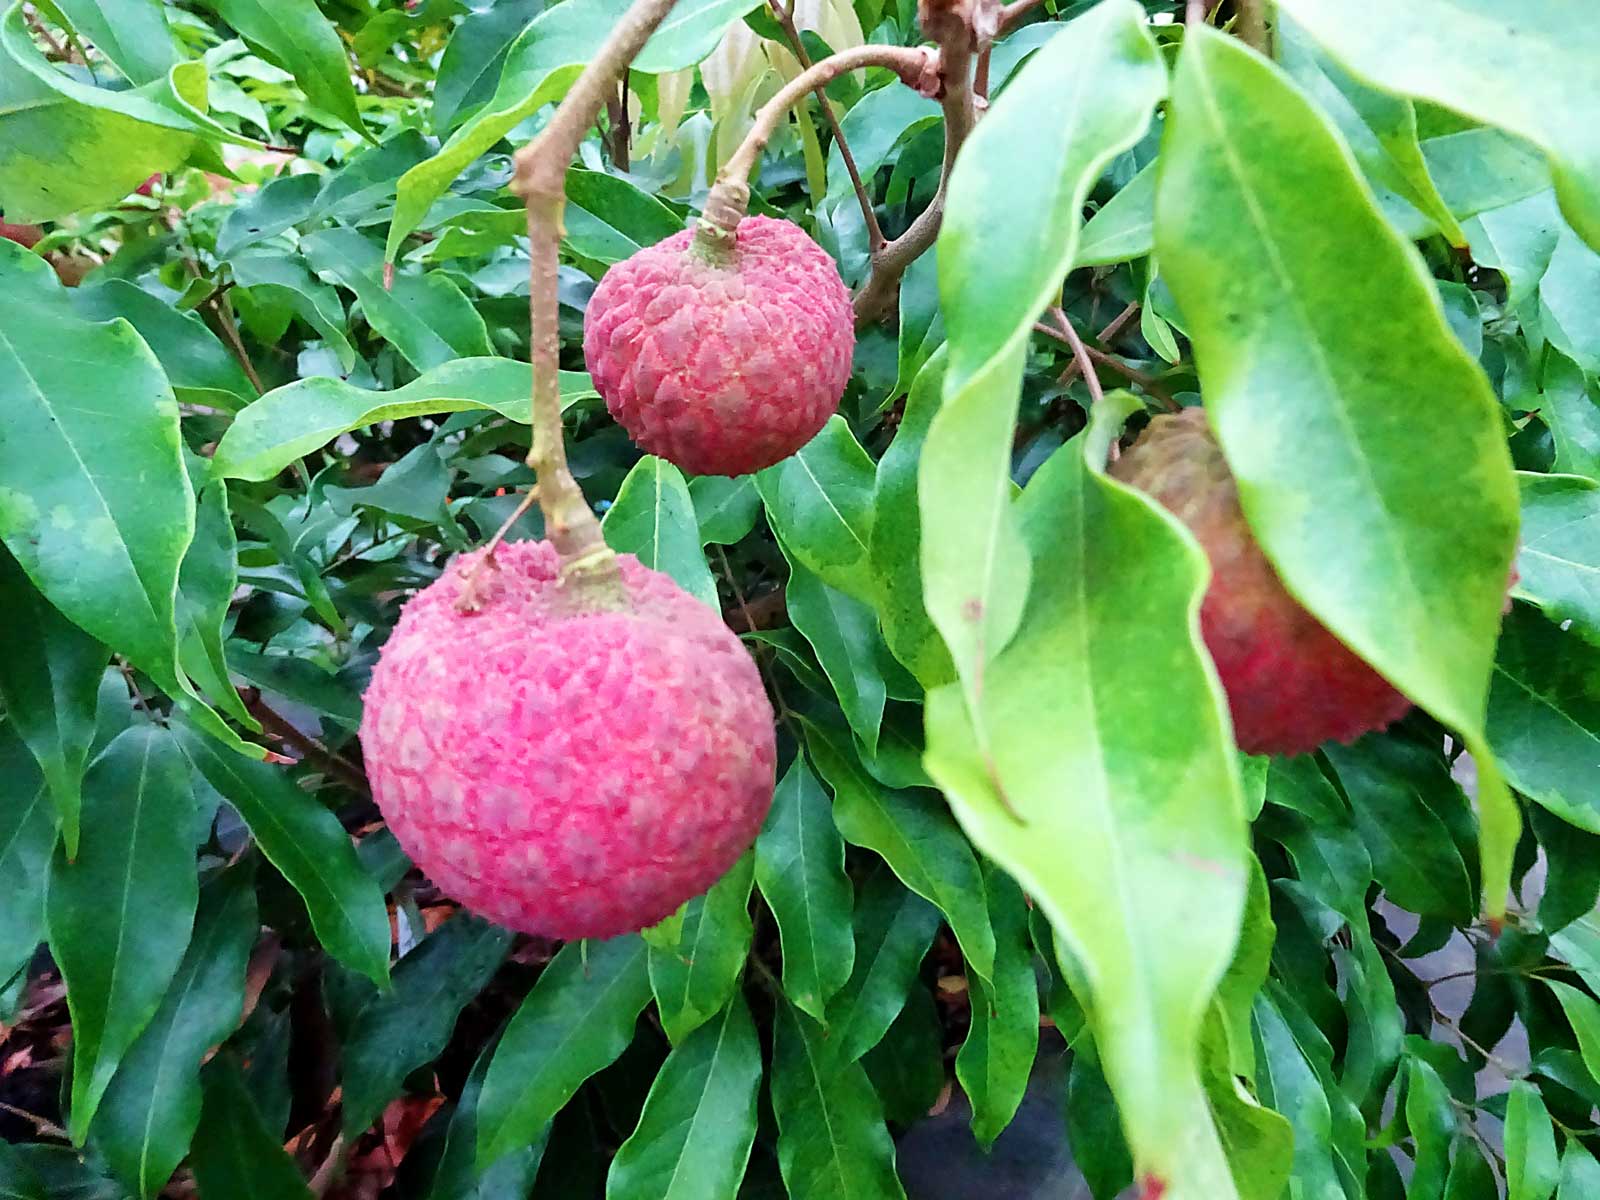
(587, 563)
(917, 66)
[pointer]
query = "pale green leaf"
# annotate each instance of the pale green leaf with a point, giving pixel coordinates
(653, 518)
(296, 35)
(819, 503)
(693, 977)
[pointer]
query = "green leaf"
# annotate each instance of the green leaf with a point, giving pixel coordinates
(1544, 716)
(1583, 1013)
(1432, 1123)
(1541, 88)
(915, 835)
(997, 1056)
(1244, 978)
(896, 542)
(474, 58)
(1559, 562)
(725, 508)
(138, 41)
(608, 219)
(281, 204)
(1293, 332)
(994, 279)
(1288, 1083)
(1137, 858)
(206, 582)
(28, 823)
(819, 503)
(693, 978)
(1517, 239)
(1259, 1143)
(1093, 1124)
(1565, 293)
(1316, 827)
(539, 68)
(1471, 1176)
(306, 843)
(1397, 790)
(18, 1180)
(235, 1155)
(96, 505)
(699, 1121)
(653, 518)
(301, 417)
(50, 681)
(1569, 406)
(800, 869)
(893, 930)
(120, 914)
(874, 126)
(425, 317)
(153, 1104)
(1572, 881)
(1532, 1168)
(844, 633)
(281, 280)
(1124, 228)
(831, 1138)
(456, 1175)
(66, 146)
(1580, 1173)
(407, 1025)
(921, 323)
(578, 1018)
(297, 37)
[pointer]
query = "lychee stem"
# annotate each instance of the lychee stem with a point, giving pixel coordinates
(917, 66)
(588, 565)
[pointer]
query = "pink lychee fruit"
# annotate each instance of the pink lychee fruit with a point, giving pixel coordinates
(560, 771)
(1291, 684)
(725, 360)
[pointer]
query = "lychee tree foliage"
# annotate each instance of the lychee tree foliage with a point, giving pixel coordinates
(1111, 658)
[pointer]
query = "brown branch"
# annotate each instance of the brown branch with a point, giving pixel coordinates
(1062, 326)
(1252, 24)
(587, 563)
(1103, 338)
(949, 27)
(1014, 12)
(311, 750)
(618, 136)
(785, 18)
(223, 308)
(1144, 380)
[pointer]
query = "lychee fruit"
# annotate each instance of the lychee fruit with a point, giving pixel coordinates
(561, 771)
(722, 359)
(1291, 684)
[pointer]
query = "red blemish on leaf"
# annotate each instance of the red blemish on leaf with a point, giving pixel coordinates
(388, 276)
(972, 610)
(1151, 1188)
(1495, 924)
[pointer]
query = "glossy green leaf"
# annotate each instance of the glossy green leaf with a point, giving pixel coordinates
(95, 505)
(819, 503)
(456, 1175)
(1559, 561)
(1540, 88)
(693, 978)
(726, 508)
(1566, 293)
(893, 929)
(1432, 1123)
(153, 1104)
(921, 322)
(198, 366)
(699, 1121)
(896, 542)
(1532, 1167)
(1314, 824)
(296, 35)
(408, 1025)
(1580, 1173)
(915, 835)
(844, 633)
(474, 58)
(235, 1155)
(578, 1018)
(800, 870)
(1393, 423)
(540, 66)
(1583, 1013)
(426, 318)
(995, 277)
(653, 518)
(1471, 1176)
(289, 282)
(301, 417)
(65, 145)
(18, 1180)
(305, 842)
(206, 582)
(831, 1138)
(50, 682)
(1137, 858)
(28, 824)
(1288, 1083)
(874, 126)
(1544, 716)
(281, 204)
(997, 1056)
(120, 914)
(138, 40)
(1517, 239)
(1124, 227)
(608, 219)
(1572, 880)
(1258, 1142)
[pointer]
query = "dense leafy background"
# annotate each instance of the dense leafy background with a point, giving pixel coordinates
(263, 332)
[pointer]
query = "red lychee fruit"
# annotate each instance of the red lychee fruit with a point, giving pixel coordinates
(574, 774)
(1291, 684)
(722, 361)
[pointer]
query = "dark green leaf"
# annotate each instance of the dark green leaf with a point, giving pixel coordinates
(280, 280)
(578, 1018)
(726, 508)
(206, 581)
(1532, 1168)
(1094, 1126)
(474, 58)
(300, 39)
(1572, 880)
(1289, 1084)
(235, 1157)
(153, 1104)
(819, 503)
(893, 929)
(653, 518)
(699, 1121)
(1432, 1123)
(120, 914)
(844, 633)
(693, 978)
(800, 870)
(1471, 1176)
(1560, 555)
(281, 204)
(608, 219)
(308, 845)
(27, 840)
(1584, 1015)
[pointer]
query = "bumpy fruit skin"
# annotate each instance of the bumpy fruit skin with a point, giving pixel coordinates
(570, 775)
(728, 366)
(1291, 684)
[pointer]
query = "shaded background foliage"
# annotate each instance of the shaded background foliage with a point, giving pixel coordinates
(262, 317)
